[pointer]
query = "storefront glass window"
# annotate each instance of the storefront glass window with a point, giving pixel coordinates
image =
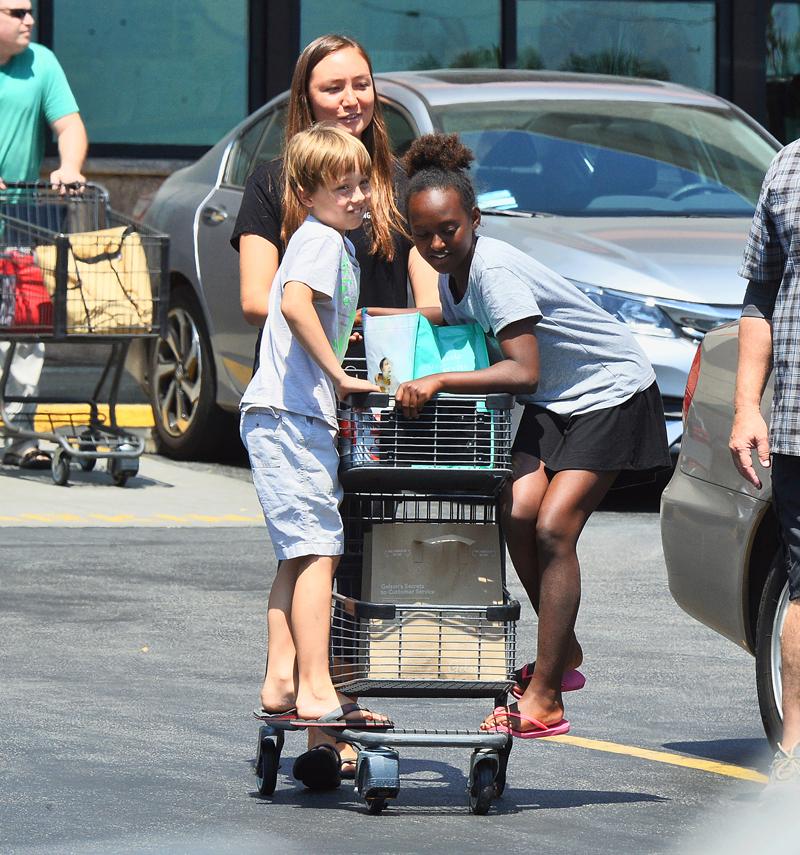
(783, 70)
(665, 41)
(408, 34)
(153, 72)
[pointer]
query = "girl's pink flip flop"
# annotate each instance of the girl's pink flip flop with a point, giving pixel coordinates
(570, 682)
(539, 730)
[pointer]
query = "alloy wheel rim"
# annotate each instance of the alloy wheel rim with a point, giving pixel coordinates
(775, 653)
(178, 373)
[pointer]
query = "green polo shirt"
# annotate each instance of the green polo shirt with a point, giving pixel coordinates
(34, 93)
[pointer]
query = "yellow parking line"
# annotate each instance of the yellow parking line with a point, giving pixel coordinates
(50, 416)
(713, 766)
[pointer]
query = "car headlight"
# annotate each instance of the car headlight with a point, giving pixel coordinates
(641, 314)
(659, 317)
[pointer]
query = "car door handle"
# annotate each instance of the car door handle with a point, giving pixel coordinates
(212, 216)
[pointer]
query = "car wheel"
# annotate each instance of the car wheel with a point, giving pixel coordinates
(771, 614)
(182, 383)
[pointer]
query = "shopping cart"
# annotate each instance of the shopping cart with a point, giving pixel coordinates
(73, 270)
(413, 478)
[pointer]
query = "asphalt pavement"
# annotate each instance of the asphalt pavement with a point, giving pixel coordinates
(133, 644)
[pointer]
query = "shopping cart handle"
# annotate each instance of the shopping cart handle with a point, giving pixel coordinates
(367, 399)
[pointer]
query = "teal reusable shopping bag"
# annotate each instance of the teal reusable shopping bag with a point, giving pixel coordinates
(461, 347)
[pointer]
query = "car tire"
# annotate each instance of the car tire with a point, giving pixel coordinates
(771, 613)
(182, 382)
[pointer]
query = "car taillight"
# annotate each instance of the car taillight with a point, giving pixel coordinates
(691, 382)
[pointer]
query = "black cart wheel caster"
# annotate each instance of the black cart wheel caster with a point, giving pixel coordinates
(484, 767)
(378, 778)
(268, 755)
(59, 467)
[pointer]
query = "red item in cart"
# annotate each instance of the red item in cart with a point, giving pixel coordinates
(22, 277)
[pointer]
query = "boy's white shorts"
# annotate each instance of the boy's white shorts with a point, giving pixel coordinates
(295, 465)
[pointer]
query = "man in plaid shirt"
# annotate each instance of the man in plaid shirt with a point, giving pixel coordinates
(769, 335)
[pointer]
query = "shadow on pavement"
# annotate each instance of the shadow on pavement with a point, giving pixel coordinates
(741, 752)
(428, 785)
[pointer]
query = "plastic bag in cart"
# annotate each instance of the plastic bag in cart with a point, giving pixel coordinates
(24, 300)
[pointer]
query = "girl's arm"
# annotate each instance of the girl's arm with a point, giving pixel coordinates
(258, 263)
(297, 306)
(433, 313)
(518, 373)
(424, 280)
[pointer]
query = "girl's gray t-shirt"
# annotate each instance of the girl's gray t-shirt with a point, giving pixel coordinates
(588, 359)
(288, 378)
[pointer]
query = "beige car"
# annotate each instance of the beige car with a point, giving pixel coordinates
(719, 533)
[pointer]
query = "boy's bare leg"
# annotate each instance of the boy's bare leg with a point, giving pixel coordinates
(520, 507)
(568, 502)
(279, 691)
(311, 622)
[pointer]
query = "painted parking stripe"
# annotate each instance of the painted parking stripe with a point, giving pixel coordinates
(715, 767)
(156, 520)
(51, 416)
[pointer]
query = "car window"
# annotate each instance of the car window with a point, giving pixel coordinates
(243, 152)
(612, 158)
(400, 128)
(271, 144)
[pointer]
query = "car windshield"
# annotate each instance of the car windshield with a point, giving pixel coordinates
(610, 158)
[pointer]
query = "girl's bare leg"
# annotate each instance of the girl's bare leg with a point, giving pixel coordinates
(520, 511)
(279, 690)
(568, 502)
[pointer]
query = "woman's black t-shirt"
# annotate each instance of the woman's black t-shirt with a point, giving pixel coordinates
(383, 283)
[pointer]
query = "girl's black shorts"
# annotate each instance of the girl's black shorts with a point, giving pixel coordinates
(631, 435)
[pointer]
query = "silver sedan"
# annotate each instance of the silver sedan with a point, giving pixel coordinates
(719, 532)
(638, 191)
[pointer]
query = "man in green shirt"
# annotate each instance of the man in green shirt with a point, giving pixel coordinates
(34, 93)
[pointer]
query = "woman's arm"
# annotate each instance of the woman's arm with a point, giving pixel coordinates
(424, 280)
(517, 373)
(258, 263)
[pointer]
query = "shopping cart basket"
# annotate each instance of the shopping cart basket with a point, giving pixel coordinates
(75, 271)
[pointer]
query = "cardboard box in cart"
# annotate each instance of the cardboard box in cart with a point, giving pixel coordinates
(433, 564)
(430, 564)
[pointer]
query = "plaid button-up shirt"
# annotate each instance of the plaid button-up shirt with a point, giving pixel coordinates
(772, 266)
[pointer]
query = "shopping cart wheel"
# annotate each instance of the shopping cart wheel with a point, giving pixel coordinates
(268, 755)
(122, 468)
(500, 779)
(59, 466)
(87, 443)
(378, 777)
(483, 770)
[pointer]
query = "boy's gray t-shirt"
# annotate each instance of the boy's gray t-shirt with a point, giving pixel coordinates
(288, 378)
(588, 359)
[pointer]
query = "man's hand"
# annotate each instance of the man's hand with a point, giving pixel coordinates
(346, 385)
(65, 176)
(749, 432)
(412, 396)
(2, 183)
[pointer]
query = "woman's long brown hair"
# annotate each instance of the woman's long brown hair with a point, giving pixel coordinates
(385, 216)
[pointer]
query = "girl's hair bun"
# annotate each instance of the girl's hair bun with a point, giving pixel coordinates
(437, 151)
